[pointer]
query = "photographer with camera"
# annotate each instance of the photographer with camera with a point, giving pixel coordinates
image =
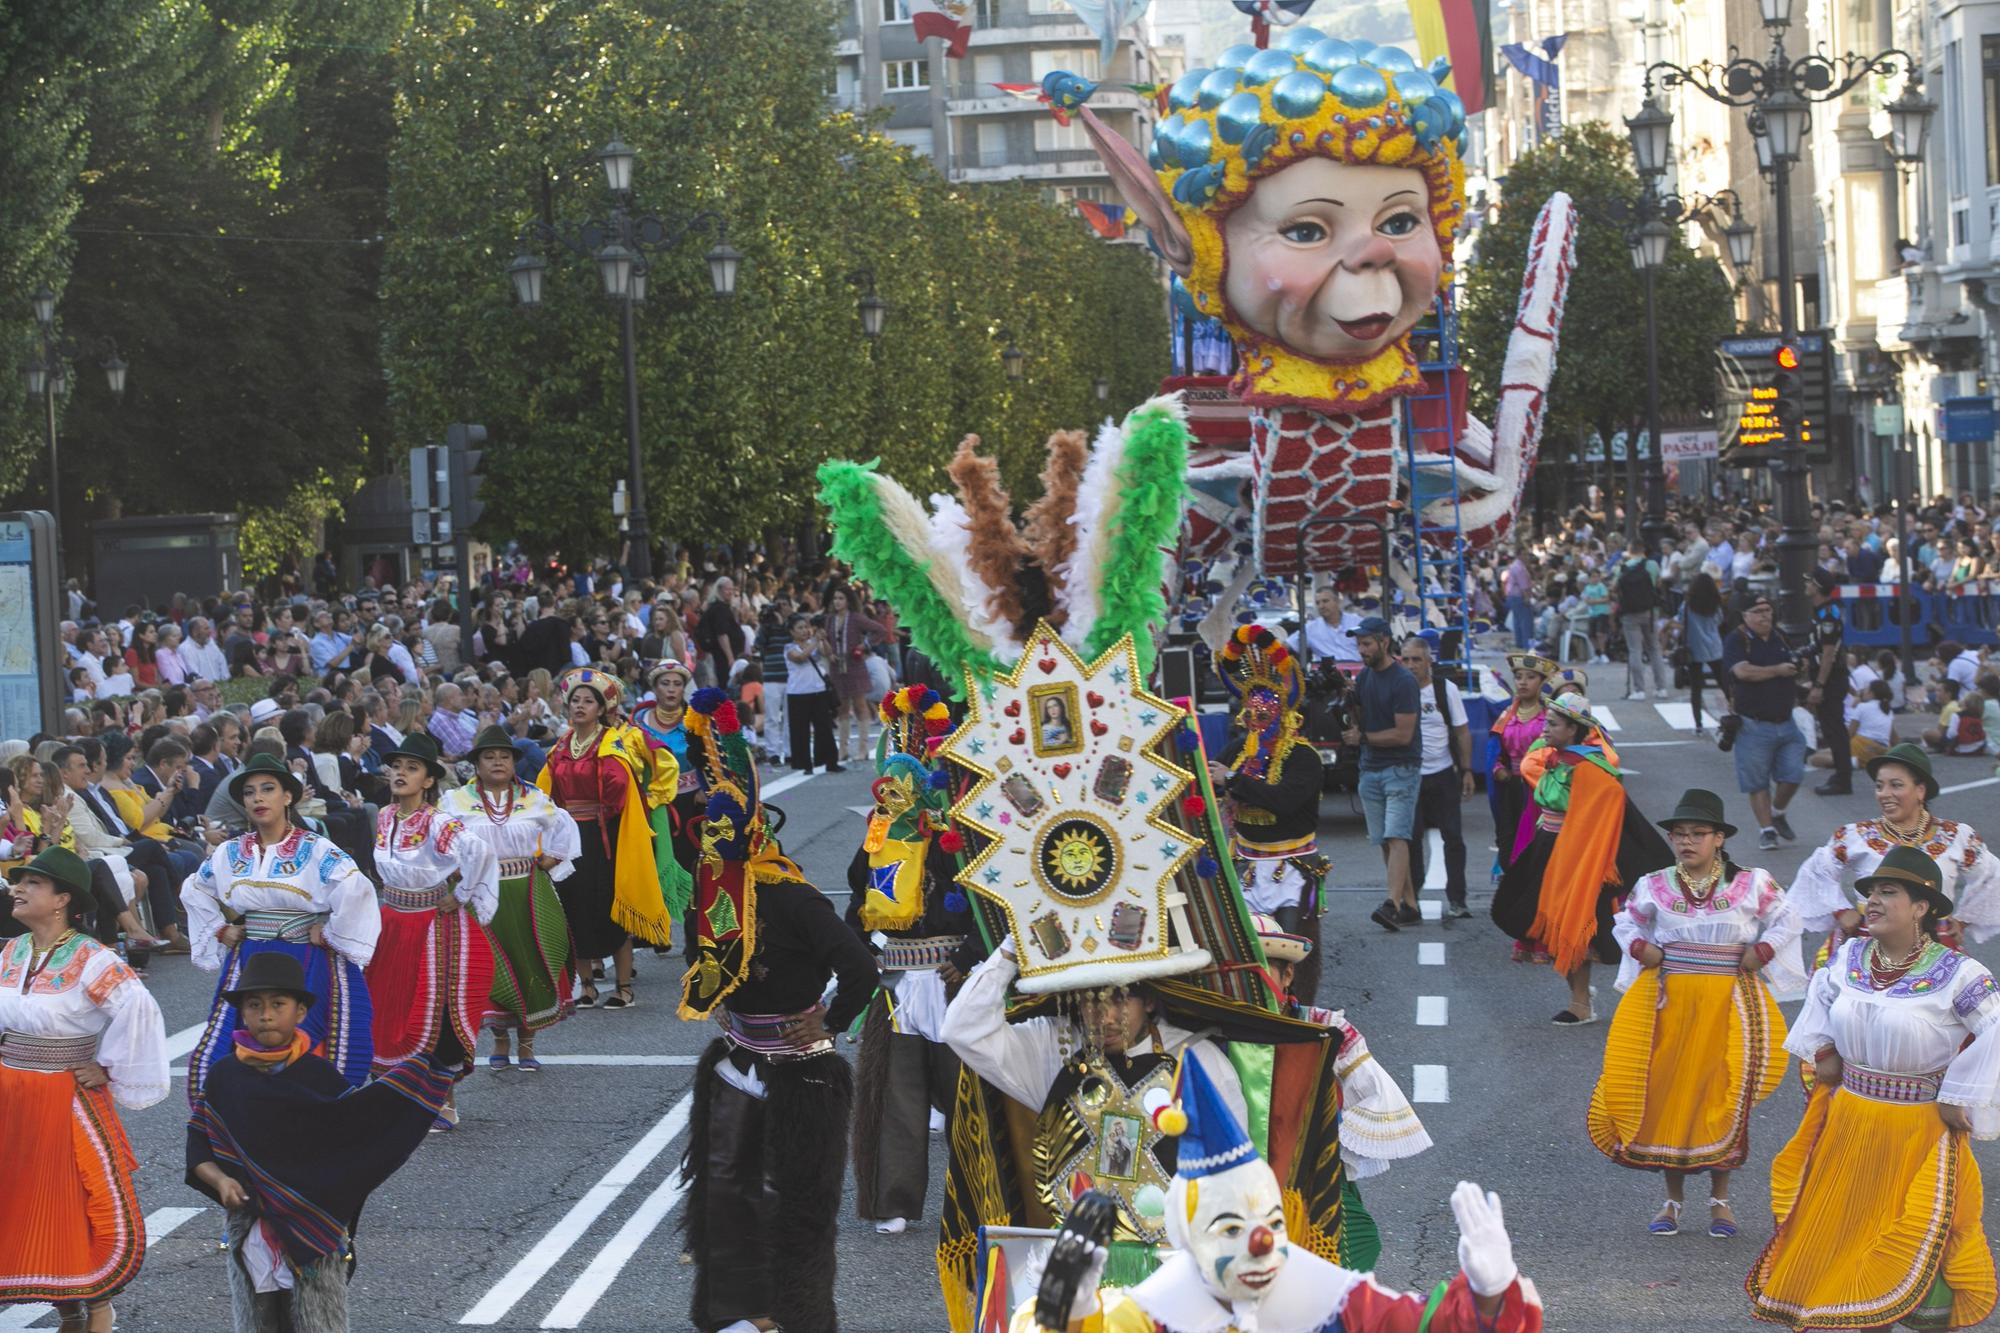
(1770, 751)
(809, 698)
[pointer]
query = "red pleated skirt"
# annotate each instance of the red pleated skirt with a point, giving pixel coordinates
(431, 971)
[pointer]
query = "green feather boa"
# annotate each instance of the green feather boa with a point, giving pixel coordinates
(1152, 479)
(862, 540)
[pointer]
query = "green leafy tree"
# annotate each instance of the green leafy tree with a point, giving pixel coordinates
(1600, 381)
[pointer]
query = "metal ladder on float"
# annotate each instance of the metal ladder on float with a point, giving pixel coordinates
(1437, 565)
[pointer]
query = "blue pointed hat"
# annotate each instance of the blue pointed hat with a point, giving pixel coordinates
(1212, 1142)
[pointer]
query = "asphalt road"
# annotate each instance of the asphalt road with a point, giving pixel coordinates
(555, 1204)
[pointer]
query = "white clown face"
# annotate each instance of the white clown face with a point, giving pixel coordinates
(1235, 1231)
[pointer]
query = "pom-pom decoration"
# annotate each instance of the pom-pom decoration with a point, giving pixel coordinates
(1207, 867)
(951, 840)
(1186, 739)
(955, 901)
(1194, 807)
(707, 699)
(726, 719)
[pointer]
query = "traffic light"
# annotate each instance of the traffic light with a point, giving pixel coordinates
(1787, 403)
(465, 481)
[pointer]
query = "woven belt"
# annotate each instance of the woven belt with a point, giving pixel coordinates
(763, 1034)
(1881, 1085)
(292, 927)
(517, 867)
(1284, 850)
(1551, 821)
(45, 1055)
(1707, 960)
(919, 955)
(415, 900)
(584, 811)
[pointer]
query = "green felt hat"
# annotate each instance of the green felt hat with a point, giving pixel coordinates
(1913, 758)
(1914, 872)
(494, 737)
(1699, 807)
(60, 865)
(269, 766)
(421, 748)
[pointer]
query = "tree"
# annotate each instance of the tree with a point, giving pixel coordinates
(1600, 381)
(498, 109)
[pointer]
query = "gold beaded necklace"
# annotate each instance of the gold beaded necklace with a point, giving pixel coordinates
(1699, 895)
(580, 745)
(1914, 837)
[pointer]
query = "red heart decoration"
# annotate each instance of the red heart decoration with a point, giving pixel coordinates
(1013, 708)
(1097, 728)
(1093, 698)
(1018, 736)
(1047, 664)
(1060, 770)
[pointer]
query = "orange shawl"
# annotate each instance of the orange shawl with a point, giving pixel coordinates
(1584, 860)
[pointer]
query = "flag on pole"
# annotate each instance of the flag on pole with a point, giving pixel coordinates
(1461, 33)
(1545, 77)
(949, 19)
(1107, 220)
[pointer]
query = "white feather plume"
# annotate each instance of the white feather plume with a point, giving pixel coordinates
(1097, 504)
(951, 554)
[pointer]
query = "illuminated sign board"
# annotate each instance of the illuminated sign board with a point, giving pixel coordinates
(1747, 369)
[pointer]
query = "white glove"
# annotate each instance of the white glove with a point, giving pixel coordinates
(1484, 1251)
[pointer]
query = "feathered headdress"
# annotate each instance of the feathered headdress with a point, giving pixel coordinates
(1252, 660)
(971, 585)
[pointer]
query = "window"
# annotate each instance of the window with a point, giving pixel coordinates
(1049, 7)
(892, 11)
(1989, 60)
(902, 76)
(986, 13)
(1051, 137)
(1078, 60)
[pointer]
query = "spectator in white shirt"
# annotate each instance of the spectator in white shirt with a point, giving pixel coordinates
(1960, 664)
(95, 646)
(1446, 769)
(201, 654)
(1330, 633)
(399, 654)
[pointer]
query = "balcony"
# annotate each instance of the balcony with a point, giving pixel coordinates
(1038, 164)
(983, 99)
(1919, 310)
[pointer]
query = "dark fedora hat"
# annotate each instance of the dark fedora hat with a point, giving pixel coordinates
(268, 766)
(1911, 757)
(62, 867)
(1914, 872)
(1698, 806)
(421, 748)
(493, 738)
(270, 970)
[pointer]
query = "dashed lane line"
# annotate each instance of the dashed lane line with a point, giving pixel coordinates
(1430, 953)
(563, 1236)
(1430, 1083)
(1433, 1011)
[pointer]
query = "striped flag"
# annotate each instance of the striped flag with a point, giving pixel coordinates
(949, 19)
(1107, 220)
(1461, 33)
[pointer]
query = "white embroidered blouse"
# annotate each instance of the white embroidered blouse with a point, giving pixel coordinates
(1823, 885)
(83, 990)
(530, 824)
(1915, 1026)
(428, 848)
(304, 874)
(1377, 1124)
(1750, 909)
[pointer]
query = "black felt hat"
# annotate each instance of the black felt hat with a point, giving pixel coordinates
(421, 748)
(268, 766)
(1698, 806)
(270, 970)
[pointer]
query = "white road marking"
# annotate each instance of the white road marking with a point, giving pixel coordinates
(1679, 716)
(1433, 1011)
(1604, 717)
(1968, 786)
(590, 1286)
(159, 1223)
(784, 784)
(1431, 908)
(547, 1252)
(1430, 954)
(1623, 746)
(588, 1061)
(182, 1042)
(1430, 1083)
(860, 809)
(1434, 877)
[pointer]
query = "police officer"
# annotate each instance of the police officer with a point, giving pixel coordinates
(1826, 688)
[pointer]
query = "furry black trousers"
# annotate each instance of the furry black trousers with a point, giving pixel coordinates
(901, 1078)
(764, 1180)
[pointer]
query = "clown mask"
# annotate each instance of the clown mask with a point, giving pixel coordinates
(1234, 1230)
(1334, 260)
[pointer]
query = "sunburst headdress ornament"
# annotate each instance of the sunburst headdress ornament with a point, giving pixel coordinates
(1263, 678)
(737, 854)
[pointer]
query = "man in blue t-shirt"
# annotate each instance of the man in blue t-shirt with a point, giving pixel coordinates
(1391, 756)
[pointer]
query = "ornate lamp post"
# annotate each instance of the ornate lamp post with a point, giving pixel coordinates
(1778, 92)
(619, 244)
(46, 374)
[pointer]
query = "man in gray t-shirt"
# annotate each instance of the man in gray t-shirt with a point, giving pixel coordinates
(1391, 747)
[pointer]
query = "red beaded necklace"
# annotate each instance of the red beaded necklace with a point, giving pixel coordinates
(500, 814)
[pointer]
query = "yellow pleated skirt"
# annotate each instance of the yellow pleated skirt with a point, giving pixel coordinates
(1681, 1077)
(1876, 1204)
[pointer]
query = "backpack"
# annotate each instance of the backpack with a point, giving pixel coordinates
(1635, 588)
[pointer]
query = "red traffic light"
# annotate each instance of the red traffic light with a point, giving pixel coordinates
(1786, 356)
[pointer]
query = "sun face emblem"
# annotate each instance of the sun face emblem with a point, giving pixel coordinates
(1078, 859)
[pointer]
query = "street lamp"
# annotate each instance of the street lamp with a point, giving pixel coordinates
(1778, 91)
(46, 373)
(1650, 244)
(1102, 388)
(1014, 359)
(1741, 238)
(1649, 132)
(619, 244)
(874, 310)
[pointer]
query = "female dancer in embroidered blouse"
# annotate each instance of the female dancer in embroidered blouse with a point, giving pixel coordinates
(1877, 1197)
(598, 773)
(1709, 948)
(432, 977)
(78, 1031)
(1519, 726)
(674, 786)
(281, 888)
(1904, 789)
(536, 841)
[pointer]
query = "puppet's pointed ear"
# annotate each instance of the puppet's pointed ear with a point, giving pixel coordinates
(1141, 188)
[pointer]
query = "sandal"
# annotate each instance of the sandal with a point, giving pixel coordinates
(621, 998)
(1668, 1221)
(1520, 952)
(1569, 1019)
(587, 998)
(1720, 1228)
(530, 1065)
(497, 1062)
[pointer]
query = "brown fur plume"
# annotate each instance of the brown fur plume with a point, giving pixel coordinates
(1050, 533)
(995, 548)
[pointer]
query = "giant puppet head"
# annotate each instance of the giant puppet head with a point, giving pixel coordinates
(1307, 195)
